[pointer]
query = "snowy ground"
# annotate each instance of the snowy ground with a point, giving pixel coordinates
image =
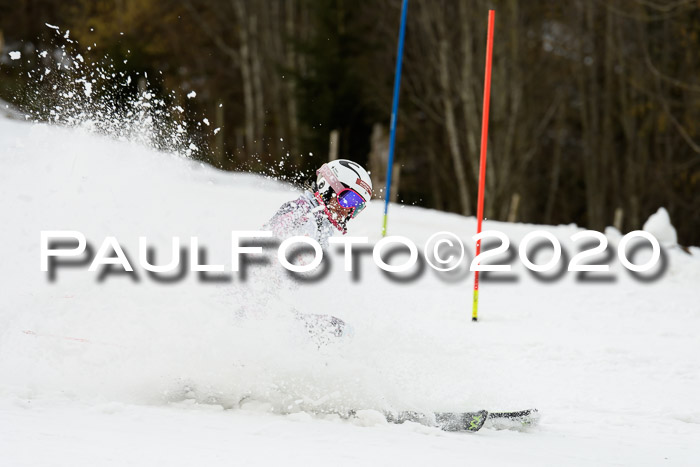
(142, 373)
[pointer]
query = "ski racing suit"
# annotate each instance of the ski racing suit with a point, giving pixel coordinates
(308, 216)
(304, 216)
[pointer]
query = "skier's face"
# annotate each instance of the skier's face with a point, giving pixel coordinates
(338, 212)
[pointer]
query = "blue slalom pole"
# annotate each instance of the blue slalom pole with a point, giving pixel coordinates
(394, 111)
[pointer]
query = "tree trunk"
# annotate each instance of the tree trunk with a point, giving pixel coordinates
(258, 93)
(450, 123)
(246, 76)
(219, 149)
(435, 179)
(503, 174)
(556, 164)
(467, 92)
(333, 142)
(378, 157)
(292, 112)
(590, 117)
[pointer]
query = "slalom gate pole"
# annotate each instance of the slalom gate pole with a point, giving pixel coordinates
(482, 163)
(394, 110)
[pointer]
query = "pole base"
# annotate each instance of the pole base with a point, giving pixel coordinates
(474, 319)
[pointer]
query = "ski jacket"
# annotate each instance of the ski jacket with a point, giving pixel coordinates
(304, 216)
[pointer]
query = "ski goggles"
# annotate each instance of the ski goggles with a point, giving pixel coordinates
(347, 197)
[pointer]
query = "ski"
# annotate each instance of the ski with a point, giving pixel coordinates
(513, 420)
(470, 421)
(465, 421)
(447, 421)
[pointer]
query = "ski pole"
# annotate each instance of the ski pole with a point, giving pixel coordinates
(482, 162)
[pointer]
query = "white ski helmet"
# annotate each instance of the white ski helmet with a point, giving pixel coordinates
(347, 180)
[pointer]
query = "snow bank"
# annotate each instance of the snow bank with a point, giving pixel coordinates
(659, 225)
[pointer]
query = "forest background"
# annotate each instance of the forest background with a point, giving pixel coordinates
(595, 106)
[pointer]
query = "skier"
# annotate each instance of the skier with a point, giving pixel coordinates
(341, 191)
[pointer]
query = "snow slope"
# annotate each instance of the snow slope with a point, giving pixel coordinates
(143, 373)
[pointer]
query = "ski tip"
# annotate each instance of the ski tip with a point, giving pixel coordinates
(475, 421)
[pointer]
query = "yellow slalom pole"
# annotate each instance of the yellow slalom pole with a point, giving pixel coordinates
(475, 304)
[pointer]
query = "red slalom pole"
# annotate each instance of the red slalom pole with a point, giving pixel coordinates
(482, 162)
